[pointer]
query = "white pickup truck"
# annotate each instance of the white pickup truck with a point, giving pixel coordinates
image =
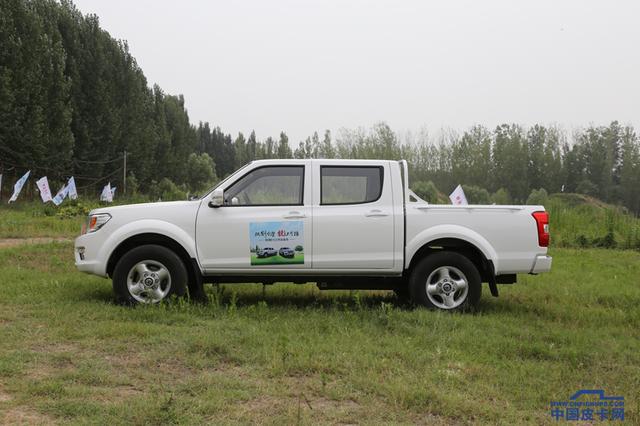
(344, 224)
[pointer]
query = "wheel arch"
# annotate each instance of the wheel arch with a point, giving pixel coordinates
(485, 265)
(147, 238)
(194, 273)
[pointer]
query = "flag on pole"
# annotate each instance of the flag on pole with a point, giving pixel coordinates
(107, 194)
(18, 186)
(43, 187)
(71, 188)
(457, 197)
(60, 196)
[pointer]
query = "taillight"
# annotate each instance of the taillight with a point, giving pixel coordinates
(542, 221)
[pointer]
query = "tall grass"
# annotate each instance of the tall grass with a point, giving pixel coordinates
(580, 221)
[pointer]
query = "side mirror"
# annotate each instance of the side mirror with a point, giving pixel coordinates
(217, 198)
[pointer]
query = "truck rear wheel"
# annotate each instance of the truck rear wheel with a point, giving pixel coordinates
(445, 280)
(149, 274)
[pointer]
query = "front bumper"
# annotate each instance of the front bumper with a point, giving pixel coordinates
(86, 249)
(541, 264)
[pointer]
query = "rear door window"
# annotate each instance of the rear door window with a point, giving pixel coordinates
(350, 185)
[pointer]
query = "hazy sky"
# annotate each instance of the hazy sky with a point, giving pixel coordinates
(301, 66)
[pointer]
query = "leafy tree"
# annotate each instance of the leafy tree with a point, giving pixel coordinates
(284, 151)
(201, 171)
(426, 190)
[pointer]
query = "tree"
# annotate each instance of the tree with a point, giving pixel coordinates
(201, 171)
(284, 151)
(426, 190)
(501, 197)
(476, 195)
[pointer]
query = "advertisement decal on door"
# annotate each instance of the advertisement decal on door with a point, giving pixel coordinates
(276, 243)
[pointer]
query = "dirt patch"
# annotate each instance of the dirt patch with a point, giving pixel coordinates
(13, 242)
(23, 416)
(4, 397)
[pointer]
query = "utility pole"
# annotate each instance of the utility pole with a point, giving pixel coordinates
(124, 178)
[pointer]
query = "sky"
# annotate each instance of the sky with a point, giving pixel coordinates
(302, 66)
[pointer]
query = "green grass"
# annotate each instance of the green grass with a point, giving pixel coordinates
(33, 223)
(298, 355)
(298, 258)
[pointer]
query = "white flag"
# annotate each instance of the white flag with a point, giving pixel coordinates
(71, 188)
(18, 186)
(107, 195)
(43, 187)
(457, 197)
(60, 196)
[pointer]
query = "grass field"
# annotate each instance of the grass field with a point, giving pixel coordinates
(298, 258)
(297, 355)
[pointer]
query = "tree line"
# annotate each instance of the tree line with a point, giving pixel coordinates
(73, 99)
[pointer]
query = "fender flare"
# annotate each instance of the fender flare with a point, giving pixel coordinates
(450, 231)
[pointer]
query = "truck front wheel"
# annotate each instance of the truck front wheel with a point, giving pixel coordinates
(149, 274)
(445, 280)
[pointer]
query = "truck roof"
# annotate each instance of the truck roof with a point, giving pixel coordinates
(323, 160)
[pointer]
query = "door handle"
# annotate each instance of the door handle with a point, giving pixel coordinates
(376, 213)
(294, 215)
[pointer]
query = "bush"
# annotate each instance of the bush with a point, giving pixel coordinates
(74, 208)
(538, 197)
(608, 241)
(501, 196)
(476, 195)
(166, 190)
(132, 185)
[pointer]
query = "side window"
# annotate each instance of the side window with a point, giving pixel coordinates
(350, 185)
(268, 186)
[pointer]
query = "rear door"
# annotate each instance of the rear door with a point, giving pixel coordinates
(353, 220)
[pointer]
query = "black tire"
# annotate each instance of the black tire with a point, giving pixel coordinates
(456, 264)
(161, 255)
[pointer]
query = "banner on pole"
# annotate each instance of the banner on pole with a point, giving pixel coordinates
(457, 197)
(18, 186)
(71, 188)
(60, 196)
(43, 187)
(107, 193)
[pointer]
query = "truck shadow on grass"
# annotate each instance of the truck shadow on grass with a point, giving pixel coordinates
(245, 296)
(303, 299)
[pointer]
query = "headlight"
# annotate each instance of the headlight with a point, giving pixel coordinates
(95, 222)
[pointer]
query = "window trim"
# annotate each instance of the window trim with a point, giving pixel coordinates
(269, 205)
(380, 168)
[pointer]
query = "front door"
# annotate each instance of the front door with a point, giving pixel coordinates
(264, 224)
